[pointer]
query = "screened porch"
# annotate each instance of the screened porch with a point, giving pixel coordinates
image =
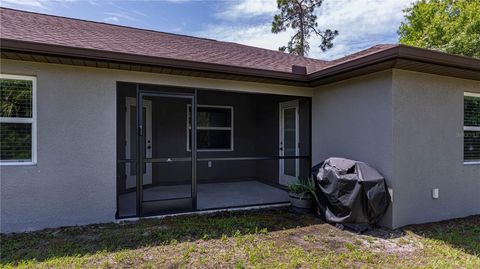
(244, 149)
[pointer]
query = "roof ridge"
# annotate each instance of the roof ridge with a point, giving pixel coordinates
(276, 51)
(162, 32)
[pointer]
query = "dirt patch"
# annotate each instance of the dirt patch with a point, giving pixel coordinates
(401, 246)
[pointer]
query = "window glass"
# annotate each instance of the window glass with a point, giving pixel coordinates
(214, 117)
(289, 140)
(471, 137)
(17, 123)
(212, 139)
(16, 98)
(16, 141)
(471, 146)
(214, 128)
(471, 107)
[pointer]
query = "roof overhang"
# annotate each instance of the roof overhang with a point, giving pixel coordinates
(400, 57)
(134, 62)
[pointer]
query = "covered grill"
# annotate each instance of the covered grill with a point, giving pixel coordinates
(351, 193)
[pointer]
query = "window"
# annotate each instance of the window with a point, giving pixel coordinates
(471, 129)
(17, 119)
(214, 128)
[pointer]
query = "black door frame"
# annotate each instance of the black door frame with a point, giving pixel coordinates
(141, 160)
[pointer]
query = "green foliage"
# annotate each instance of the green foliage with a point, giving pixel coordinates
(303, 186)
(300, 16)
(451, 26)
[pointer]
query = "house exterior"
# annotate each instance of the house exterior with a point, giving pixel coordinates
(220, 125)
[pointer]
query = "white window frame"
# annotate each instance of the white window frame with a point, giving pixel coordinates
(212, 128)
(471, 128)
(32, 120)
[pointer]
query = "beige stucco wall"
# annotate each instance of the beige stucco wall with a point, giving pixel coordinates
(74, 180)
(353, 119)
(428, 149)
(409, 126)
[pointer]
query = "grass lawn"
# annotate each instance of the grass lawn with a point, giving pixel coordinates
(260, 239)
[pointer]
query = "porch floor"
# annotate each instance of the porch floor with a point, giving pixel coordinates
(210, 195)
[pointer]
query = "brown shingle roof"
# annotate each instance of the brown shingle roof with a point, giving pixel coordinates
(54, 30)
(362, 53)
(25, 34)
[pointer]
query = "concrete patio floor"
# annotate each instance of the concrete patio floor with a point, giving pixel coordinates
(210, 195)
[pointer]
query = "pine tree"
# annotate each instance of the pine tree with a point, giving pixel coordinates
(300, 16)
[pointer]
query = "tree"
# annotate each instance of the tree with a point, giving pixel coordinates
(300, 16)
(452, 26)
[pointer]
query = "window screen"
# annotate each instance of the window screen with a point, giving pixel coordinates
(214, 128)
(17, 121)
(471, 122)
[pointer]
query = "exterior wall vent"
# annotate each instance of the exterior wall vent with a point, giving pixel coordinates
(300, 70)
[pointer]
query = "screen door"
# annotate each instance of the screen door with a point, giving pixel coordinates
(172, 187)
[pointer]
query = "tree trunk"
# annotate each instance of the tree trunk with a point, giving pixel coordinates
(302, 35)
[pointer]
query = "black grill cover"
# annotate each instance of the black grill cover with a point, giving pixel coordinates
(350, 192)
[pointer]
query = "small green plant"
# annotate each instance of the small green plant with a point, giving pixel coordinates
(303, 186)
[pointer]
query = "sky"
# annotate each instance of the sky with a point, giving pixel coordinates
(361, 23)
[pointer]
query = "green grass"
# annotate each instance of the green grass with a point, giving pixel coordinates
(254, 239)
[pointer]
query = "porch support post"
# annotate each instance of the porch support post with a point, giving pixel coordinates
(194, 150)
(310, 137)
(139, 153)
